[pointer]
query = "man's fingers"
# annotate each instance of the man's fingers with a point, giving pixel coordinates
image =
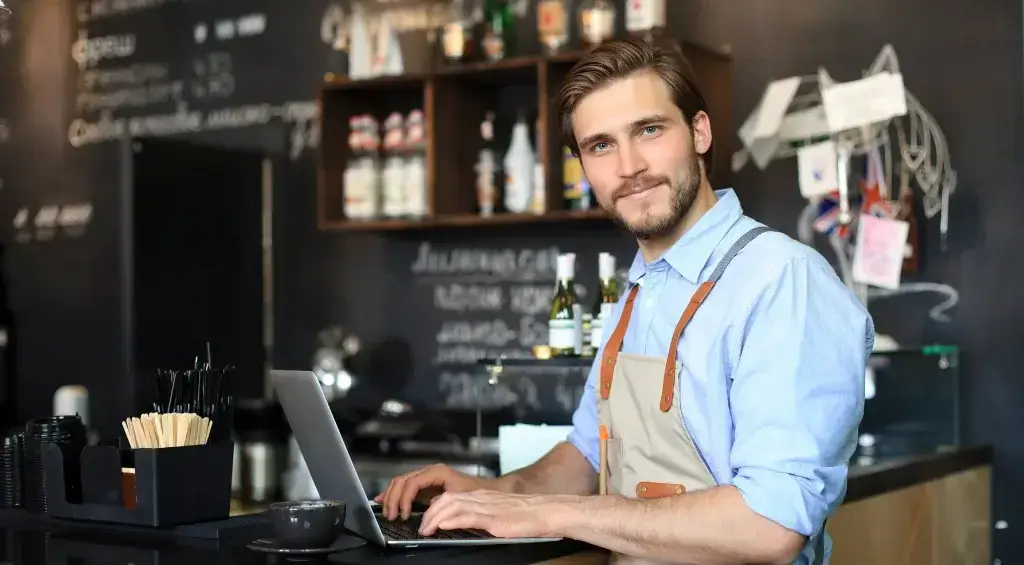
(437, 508)
(394, 494)
(449, 507)
(446, 506)
(425, 478)
(467, 521)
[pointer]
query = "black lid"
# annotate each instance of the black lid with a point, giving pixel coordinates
(55, 426)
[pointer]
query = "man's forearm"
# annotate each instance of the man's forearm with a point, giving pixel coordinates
(712, 527)
(564, 470)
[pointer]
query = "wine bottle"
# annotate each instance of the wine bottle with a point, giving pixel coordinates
(607, 296)
(565, 335)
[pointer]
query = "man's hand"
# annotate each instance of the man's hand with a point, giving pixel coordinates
(423, 486)
(501, 515)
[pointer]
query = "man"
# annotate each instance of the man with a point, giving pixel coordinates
(729, 441)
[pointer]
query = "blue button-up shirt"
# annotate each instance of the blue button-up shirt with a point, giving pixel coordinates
(772, 382)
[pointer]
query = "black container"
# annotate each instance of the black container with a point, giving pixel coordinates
(65, 432)
(172, 486)
(11, 462)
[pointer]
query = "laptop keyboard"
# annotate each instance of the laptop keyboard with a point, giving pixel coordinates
(409, 530)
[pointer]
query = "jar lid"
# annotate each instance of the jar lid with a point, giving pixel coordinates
(56, 427)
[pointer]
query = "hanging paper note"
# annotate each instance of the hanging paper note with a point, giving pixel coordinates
(878, 258)
(817, 167)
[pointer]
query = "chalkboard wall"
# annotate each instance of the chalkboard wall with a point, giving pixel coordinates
(74, 73)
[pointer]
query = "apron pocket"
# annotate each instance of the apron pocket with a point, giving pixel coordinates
(614, 466)
(614, 454)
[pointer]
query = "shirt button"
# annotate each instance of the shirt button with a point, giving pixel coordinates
(649, 303)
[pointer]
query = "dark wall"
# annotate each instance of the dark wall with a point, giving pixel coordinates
(963, 61)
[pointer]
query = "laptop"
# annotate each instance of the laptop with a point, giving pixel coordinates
(334, 475)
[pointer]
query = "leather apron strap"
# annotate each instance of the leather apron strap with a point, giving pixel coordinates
(614, 345)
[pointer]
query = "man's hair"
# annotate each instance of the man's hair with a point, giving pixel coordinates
(619, 60)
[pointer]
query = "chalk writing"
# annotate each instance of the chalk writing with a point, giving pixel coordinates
(471, 354)
(107, 127)
(469, 390)
(119, 77)
(473, 298)
(88, 10)
(88, 52)
(530, 299)
(485, 265)
(135, 97)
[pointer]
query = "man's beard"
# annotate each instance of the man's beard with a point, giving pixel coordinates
(681, 199)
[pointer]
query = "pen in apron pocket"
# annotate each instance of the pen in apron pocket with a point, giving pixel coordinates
(602, 478)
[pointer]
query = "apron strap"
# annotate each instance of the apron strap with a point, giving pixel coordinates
(614, 344)
(668, 382)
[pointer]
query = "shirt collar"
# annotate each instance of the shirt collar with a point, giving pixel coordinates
(690, 254)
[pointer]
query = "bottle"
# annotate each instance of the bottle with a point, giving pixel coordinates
(519, 169)
(538, 196)
(597, 21)
(645, 19)
(415, 191)
(371, 167)
(485, 189)
(607, 296)
(360, 52)
(487, 169)
(362, 178)
(457, 35)
(553, 24)
(499, 30)
(393, 197)
(565, 328)
(572, 180)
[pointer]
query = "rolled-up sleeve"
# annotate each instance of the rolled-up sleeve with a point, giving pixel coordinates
(584, 434)
(797, 395)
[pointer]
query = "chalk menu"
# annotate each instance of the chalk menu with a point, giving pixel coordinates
(491, 298)
(172, 67)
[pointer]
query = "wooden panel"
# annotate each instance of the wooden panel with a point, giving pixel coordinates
(942, 522)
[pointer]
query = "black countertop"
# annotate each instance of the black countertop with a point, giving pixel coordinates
(871, 476)
(59, 546)
(47, 542)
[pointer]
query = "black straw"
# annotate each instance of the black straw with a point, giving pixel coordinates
(199, 390)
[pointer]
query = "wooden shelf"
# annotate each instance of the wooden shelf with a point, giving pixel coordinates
(335, 82)
(465, 221)
(455, 99)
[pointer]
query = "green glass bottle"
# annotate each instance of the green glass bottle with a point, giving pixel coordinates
(607, 296)
(565, 328)
(499, 36)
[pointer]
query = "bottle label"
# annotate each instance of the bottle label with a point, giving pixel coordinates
(597, 25)
(642, 15)
(562, 334)
(551, 18)
(596, 333)
(454, 41)
(572, 176)
(494, 45)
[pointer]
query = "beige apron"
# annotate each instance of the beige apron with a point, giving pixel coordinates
(650, 452)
